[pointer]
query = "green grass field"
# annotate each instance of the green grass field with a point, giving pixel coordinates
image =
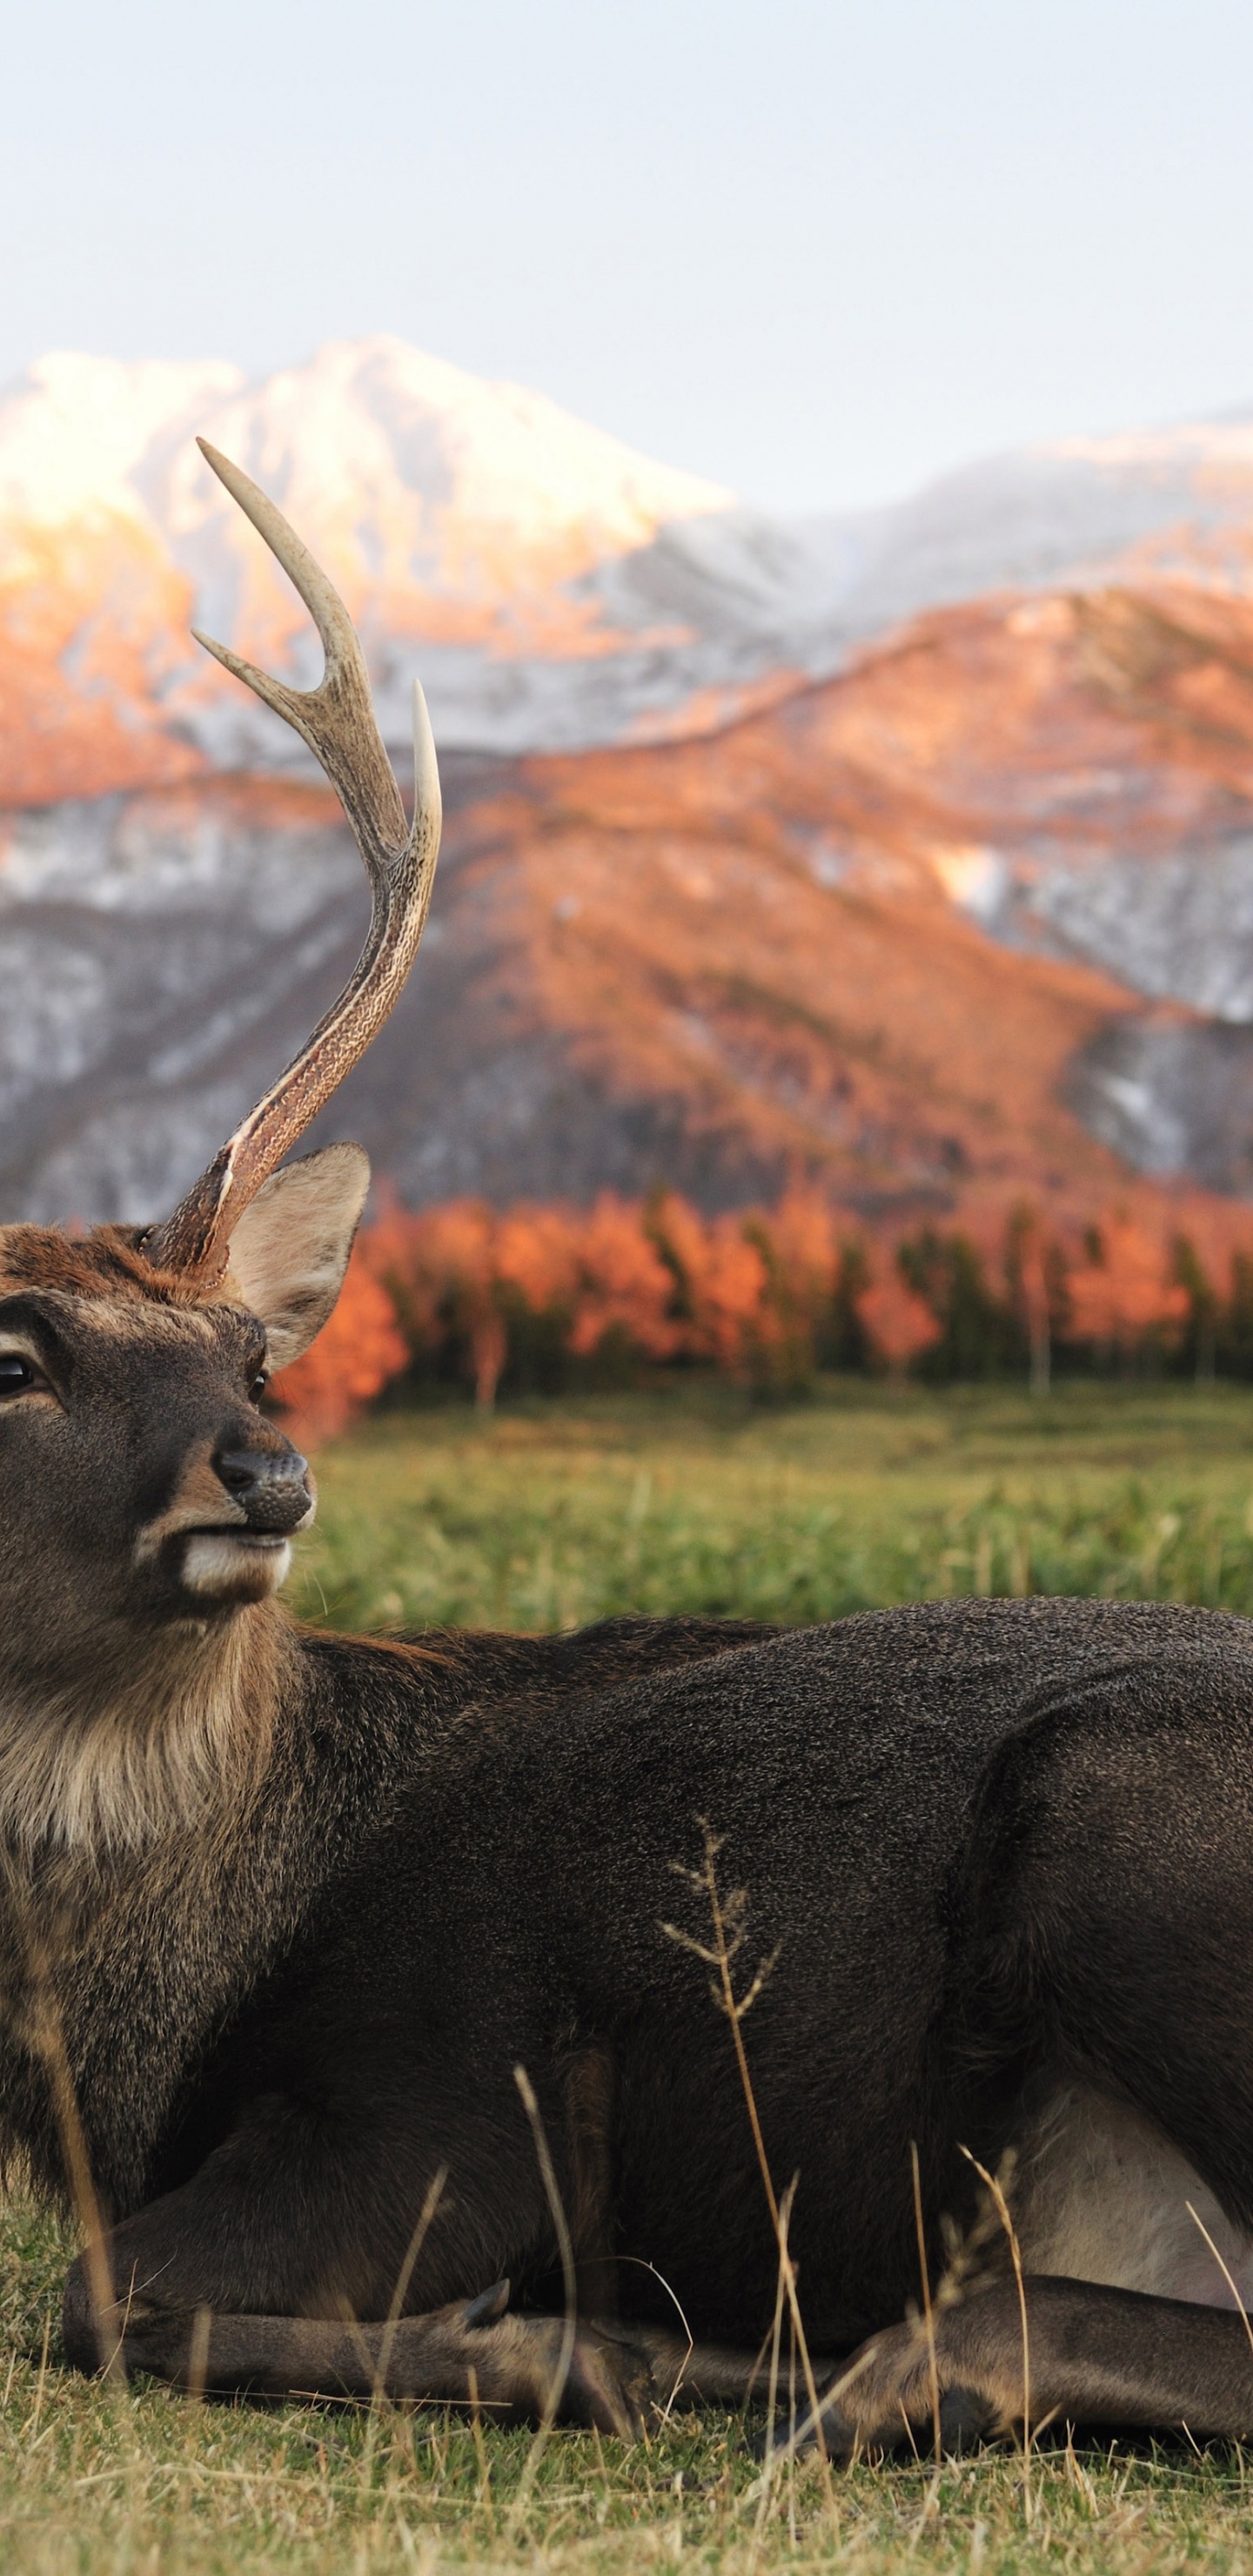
(550, 1515)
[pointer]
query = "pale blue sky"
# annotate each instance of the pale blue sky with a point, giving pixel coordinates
(819, 249)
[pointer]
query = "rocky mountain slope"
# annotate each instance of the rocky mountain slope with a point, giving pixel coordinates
(969, 910)
(975, 916)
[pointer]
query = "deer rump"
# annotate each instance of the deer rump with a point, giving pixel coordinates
(998, 1854)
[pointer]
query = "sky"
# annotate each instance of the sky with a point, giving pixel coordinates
(819, 250)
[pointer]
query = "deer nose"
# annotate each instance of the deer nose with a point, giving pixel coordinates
(272, 1485)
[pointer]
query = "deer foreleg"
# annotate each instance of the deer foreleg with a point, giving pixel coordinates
(472, 2353)
(517, 2368)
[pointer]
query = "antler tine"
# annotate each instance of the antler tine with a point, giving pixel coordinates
(337, 721)
(337, 718)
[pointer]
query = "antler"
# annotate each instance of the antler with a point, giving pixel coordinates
(337, 721)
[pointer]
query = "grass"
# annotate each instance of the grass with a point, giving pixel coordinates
(546, 1516)
(555, 1514)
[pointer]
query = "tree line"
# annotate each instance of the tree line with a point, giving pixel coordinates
(543, 1299)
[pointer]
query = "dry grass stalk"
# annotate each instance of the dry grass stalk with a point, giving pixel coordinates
(565, 2247)
(34, 2014)
(729, 1927)
(1198, 2221)
(928, 2315)
(379, 2398)
(996, 2193)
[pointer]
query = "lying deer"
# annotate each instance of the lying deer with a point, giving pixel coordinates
(283, 1911)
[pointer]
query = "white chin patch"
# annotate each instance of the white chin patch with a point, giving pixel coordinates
(222, 1567)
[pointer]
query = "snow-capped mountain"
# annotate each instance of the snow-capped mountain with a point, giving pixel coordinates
(552, 588)
(550, 585)
(1033, 687)
(1138, 506)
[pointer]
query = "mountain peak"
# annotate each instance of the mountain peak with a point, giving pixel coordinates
(75, 430)
(553, 587)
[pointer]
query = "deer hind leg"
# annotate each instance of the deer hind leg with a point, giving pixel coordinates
(1093, 2355)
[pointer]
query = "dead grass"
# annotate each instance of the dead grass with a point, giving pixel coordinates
(551, 1514)
(115, 2482)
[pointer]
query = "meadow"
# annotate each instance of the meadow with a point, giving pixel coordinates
(551, 1514)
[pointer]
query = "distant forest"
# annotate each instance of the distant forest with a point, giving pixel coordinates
(547, 1300)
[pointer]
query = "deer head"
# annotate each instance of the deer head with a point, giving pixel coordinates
(143, 1495)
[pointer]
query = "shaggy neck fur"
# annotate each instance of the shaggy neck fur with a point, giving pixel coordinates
(181, 1738)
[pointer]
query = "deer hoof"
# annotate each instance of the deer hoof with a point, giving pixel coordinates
(609, 2384)
(487, 2309)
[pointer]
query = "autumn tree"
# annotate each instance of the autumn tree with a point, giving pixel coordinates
(1123, 1295)
(440, 1267)
(947, 1271)
(799, 1245)
(1027, 1271)
(720, 1286)
(625, 1289)
(896, 1322)
(769, 1294)
(1203, 1306)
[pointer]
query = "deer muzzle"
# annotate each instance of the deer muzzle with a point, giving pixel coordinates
(271, 1487)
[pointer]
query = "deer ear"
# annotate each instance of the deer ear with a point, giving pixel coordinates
(290, 1248)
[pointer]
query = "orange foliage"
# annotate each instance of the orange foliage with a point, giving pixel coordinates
(1128, 1293)
(802, 1235)
(536, 1253)
(722, 1283)
(801, 1246)
(442, 1266)
(758, 1295)
(624, 1285)
(899, 1325)
(355, 1354)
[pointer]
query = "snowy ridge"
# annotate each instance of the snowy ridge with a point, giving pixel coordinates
(1069, 777)
(553, 588)
(466, 524)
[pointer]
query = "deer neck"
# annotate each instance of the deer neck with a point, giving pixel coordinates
(161, 1737)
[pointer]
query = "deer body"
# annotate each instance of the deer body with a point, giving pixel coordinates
(948, 1818)
(283, 1915)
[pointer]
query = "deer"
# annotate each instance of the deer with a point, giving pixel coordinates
(355, 1990)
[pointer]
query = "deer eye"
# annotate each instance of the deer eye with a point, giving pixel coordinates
(258, 1386)
(20, 1376)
